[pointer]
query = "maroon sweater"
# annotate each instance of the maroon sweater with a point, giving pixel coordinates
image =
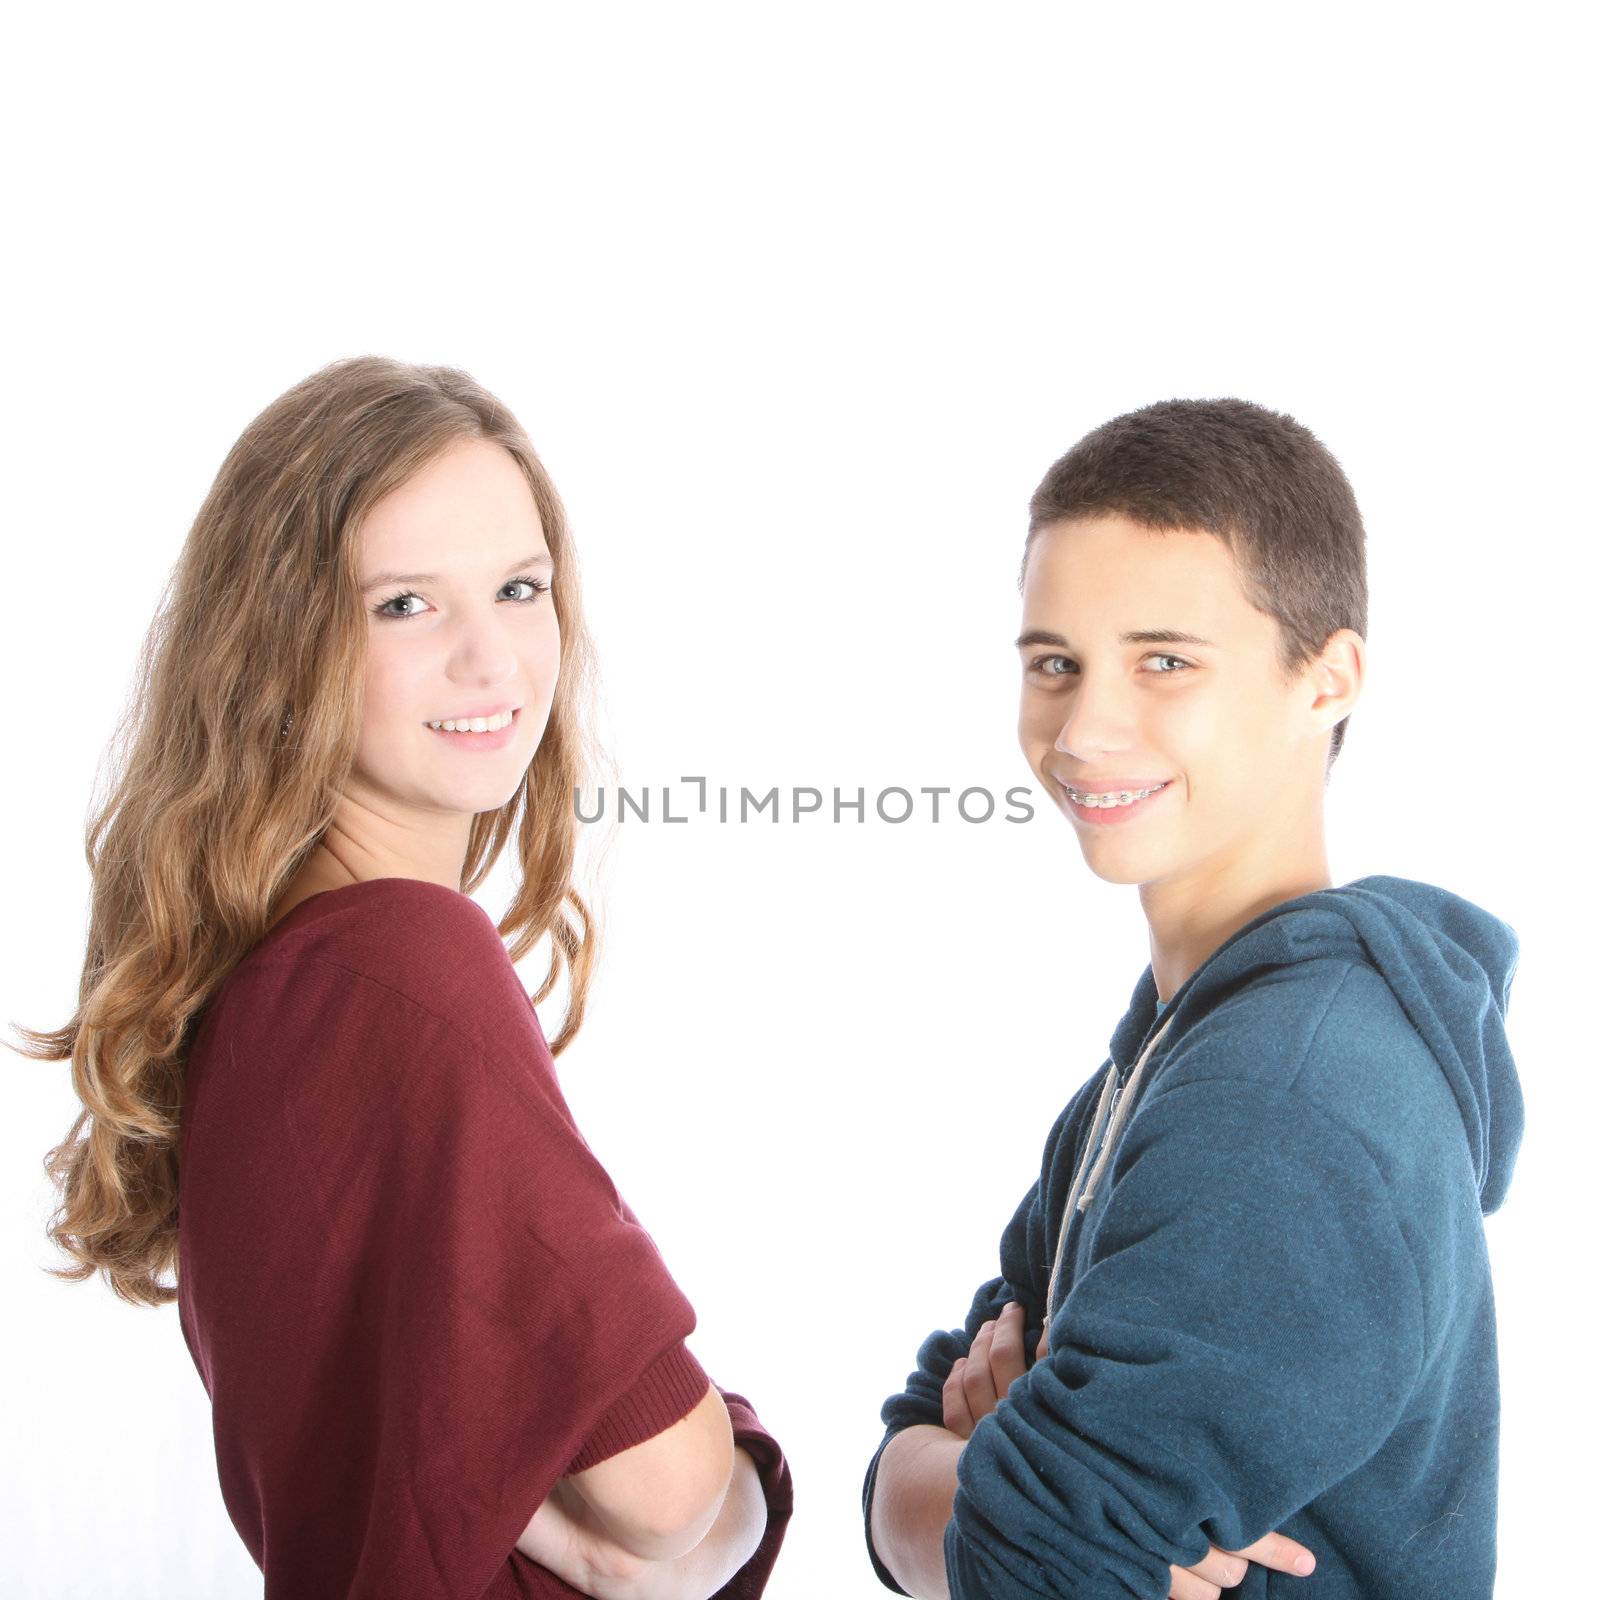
(413, 1295)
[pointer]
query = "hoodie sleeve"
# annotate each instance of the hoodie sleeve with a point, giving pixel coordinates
(1243, 1332)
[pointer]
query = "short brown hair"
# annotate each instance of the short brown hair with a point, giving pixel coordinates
(1259, 481)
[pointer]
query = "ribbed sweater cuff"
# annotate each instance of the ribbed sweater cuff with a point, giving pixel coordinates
(667, 1391)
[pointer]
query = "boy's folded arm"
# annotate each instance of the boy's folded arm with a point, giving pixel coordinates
(1245, 1333)
(922, 1402)
(908, 1514)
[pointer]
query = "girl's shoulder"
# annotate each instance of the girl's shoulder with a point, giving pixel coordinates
(432, 945)
(359, 988)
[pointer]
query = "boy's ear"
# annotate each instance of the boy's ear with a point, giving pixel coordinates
(1337, 675)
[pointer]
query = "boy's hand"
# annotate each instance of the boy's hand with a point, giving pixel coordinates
(979, 1378)
(996, 1361)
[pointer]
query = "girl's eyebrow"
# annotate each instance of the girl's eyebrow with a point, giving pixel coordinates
(541, 559)
(1137, 636)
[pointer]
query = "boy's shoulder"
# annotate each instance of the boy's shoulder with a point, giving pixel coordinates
(1326, 1031)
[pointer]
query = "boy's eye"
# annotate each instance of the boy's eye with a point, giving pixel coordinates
(1057, 666)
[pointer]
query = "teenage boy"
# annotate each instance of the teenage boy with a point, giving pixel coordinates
(1247, 1301)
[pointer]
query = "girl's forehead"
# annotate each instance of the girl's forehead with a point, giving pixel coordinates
(469, 487)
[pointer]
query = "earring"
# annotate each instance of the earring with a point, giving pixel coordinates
(288, 719)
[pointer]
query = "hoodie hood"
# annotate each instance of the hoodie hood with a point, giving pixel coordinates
(1448, 962)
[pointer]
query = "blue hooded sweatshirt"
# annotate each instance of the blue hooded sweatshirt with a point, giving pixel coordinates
(1257, 1241)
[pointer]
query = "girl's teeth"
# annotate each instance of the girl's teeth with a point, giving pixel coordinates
(475, 724)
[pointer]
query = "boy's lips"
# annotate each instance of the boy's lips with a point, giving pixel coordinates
(1110, 816)
(1108, 785)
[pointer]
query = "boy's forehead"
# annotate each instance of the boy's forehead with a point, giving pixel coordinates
(1108, 574)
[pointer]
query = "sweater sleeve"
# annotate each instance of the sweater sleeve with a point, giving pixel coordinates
(749, 1435)
(429, 1302)
(1243, 1332)
(522, 1322)
(612, 1369)
(777, 1486)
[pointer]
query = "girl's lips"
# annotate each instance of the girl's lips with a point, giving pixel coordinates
(465, 742)
(1111, 816)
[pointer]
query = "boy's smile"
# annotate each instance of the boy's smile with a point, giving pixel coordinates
(1111, 807)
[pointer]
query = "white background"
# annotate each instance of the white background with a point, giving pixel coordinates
(798, 303)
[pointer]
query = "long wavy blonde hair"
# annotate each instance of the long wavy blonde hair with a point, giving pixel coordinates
(212, 809)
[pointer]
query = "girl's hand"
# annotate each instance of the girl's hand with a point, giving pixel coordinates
(995, 1362)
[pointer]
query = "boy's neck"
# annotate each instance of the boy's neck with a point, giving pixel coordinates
(1191, 917)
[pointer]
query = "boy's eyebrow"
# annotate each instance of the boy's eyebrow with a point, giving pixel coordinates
(1137, 636)
(541, 560)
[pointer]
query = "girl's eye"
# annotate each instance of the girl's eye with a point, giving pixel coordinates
(1047, 665)
(538, 585)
